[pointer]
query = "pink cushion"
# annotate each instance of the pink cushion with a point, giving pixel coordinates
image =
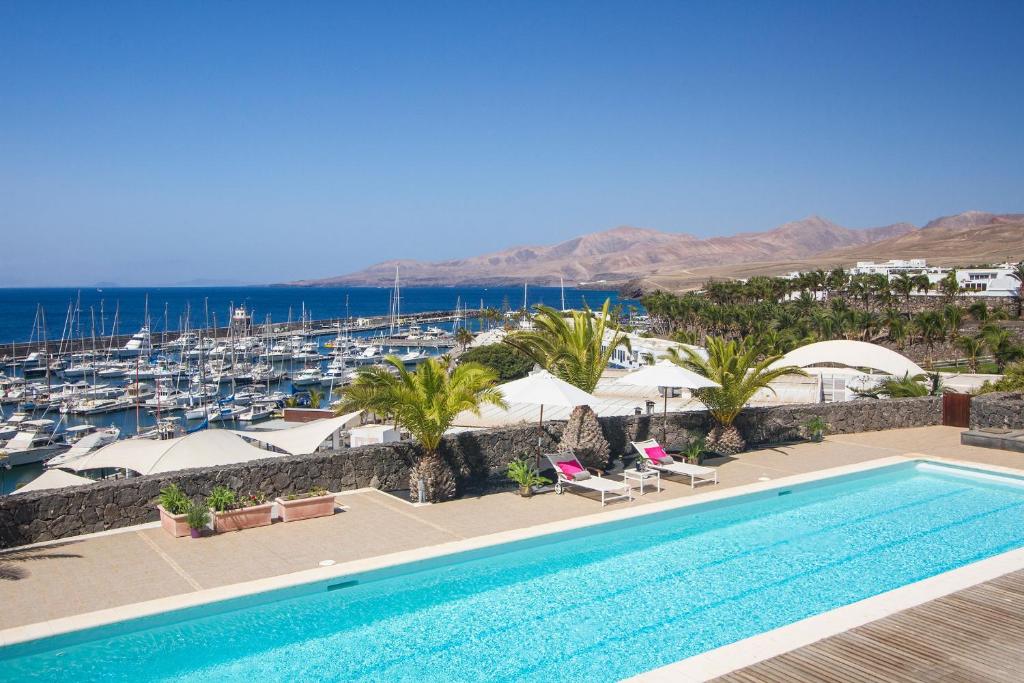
(569, 468)
(657, 453)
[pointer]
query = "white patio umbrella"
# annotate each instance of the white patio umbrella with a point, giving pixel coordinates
(542, 388)
(667, 374)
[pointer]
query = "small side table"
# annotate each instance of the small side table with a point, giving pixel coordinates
(631, 475)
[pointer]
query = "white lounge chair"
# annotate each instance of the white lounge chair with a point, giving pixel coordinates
(696, 473)
(571, 472)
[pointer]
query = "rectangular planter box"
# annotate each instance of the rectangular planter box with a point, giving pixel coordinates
(175, 525)
(306, 508)
(242, 518)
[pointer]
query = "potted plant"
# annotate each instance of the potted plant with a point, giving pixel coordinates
(317, 502)
(523, 473)
(234, 513)
(197, 518)
(815, 428)
(174, 506)
(694, 451)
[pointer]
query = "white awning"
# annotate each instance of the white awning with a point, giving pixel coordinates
(208, 448)
(53, 479)
(305, 438)
(852, 354)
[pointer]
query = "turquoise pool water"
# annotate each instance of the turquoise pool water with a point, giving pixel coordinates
(597, 604)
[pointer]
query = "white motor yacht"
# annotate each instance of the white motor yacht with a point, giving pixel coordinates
(141, 344)
(34, 442)
(307, 377)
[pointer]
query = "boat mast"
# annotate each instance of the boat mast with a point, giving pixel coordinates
(46, 347)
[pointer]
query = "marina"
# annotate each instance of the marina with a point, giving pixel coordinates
(168, 379)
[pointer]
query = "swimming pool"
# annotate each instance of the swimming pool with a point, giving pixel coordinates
(599, 603)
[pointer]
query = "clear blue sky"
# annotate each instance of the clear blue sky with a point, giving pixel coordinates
(149, 143)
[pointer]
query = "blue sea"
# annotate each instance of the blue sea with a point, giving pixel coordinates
(170, 304)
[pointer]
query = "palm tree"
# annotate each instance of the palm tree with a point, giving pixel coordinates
(574, 349)
(737, 369)
(315, 398)
(1018, 274)
(1000, 343)
(971, 346)
(835, 281)
(463, 337)
(899, 387)
(425, 402)
(903, 284)
(930, 327)
(979, 311)
(950, 286)
(954, 317)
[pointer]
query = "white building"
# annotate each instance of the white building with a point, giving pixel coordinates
(642, 349)
(995, 281)
(891, 267)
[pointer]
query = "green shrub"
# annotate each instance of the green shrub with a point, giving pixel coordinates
(197, 516)
(523, 473)
(695, 450)
(314, 492)
(508, 362)
(174, 500)
(222, 498)
(816, 428)
(1012, 380)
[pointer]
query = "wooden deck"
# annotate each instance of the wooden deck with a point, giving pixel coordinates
(976, 634)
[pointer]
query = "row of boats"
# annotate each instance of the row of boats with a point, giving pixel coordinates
(182, 385)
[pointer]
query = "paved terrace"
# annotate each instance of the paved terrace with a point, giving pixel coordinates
(91, 573)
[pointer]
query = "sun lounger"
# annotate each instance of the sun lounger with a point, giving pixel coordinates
(571, 472)
(654, 456)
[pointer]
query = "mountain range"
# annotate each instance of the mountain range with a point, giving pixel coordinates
(643, 258)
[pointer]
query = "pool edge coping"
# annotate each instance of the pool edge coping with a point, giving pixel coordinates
(63, 625)
(779, 641)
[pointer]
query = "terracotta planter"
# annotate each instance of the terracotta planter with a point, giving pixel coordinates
(242, 518)
(175, 525)
(306, 508)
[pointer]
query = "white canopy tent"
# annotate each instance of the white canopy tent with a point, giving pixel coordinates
(851, 354)
(53, 479)
(305, 438)
(208, 448)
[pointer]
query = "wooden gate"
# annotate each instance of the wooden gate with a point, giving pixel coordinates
(956, 410)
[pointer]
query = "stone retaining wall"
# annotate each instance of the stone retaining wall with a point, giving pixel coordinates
(998, 410)
(476, 457)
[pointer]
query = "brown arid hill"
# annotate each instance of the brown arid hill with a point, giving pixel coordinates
(641, 259)
(950, 241)
(612, 257)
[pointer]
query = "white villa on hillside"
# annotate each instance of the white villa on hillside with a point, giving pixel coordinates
(914, 266)
(994, 281)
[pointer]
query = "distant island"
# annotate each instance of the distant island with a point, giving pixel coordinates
(641, 259)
